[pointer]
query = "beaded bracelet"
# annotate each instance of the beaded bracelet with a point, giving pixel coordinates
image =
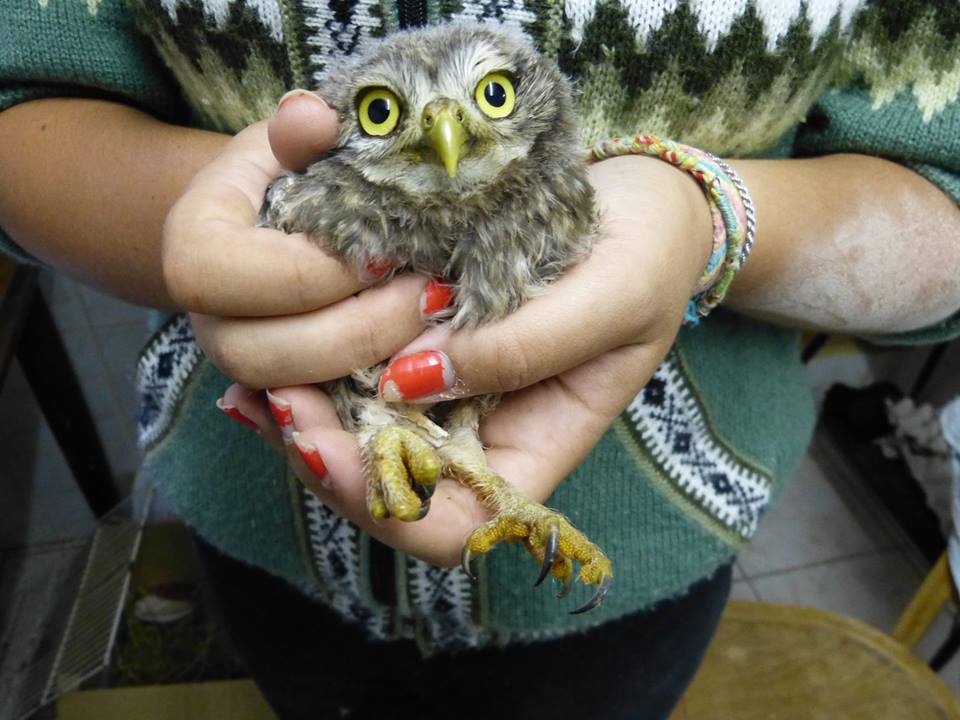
(734, 218)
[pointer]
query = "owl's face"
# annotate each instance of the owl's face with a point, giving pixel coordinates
(448, 109)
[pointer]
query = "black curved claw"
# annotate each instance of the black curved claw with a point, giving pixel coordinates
(565, 590)
(424, 509)
(465, 563)
(597, 597)
(549, 554)
(424, 492)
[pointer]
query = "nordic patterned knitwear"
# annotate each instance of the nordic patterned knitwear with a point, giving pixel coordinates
(734, 218)
(681, 480)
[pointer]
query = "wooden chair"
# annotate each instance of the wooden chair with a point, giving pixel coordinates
(781, 662)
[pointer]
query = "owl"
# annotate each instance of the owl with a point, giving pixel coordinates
(458, 157)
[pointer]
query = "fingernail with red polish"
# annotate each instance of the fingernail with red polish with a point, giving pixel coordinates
(416, 376)
(233, 412)
(375, 269)
(311, 456)
(435, 300)
(283, 414)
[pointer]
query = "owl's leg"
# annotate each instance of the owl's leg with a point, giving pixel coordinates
(397, 443)
(547, 535)
(402, 472)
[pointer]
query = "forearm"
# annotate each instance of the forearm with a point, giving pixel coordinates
(849, 243)
(88, 185)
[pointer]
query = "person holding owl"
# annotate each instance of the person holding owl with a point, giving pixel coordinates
(662, 442)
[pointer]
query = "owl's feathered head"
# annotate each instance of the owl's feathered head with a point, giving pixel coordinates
(449, 109)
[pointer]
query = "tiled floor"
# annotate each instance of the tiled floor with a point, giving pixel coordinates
(810, 549)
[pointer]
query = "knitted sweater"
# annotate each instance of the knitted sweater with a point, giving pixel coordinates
(680, 481)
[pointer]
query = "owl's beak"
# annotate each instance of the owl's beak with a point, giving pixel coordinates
(442, 123)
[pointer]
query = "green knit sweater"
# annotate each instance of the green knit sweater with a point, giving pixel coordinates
(680, 481)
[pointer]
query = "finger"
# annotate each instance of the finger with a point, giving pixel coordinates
(301, 406)
(217, 262)
(546, 336)
(563, 418)
(302, 130)
(250, 408)
(312, 347)
(309, 406)
(224, 268)
(437, 538)
(240, 173)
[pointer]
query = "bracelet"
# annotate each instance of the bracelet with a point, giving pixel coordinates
(732, 211)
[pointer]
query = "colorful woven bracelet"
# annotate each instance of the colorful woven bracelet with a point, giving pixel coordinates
(734, 218)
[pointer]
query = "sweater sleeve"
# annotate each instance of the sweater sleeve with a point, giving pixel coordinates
(79, 48)
(897, 96)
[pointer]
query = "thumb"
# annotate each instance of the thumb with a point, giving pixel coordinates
(545, 337)
(302, 129)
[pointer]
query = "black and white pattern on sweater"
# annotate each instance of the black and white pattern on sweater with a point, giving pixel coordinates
(672, 425)
(334, 545)
(439, 605)
(219, 11)
(510, 13)
(717, 17)
(165, 365)
(441, 600)
(338, 28)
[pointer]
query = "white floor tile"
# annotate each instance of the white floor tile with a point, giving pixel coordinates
(741, 590)
(58, 288)
(90, 369)
(874, 588)
(120, 347)
(808, 524)
(737, 571)
(102, 309)
(120, 443)
(70, 318)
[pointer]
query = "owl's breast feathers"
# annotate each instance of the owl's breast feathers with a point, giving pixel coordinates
(496, 246)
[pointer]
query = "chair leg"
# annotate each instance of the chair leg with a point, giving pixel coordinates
(925, 605)
(949, 648)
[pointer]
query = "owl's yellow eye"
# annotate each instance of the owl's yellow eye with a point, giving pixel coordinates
(378, 111)
(495, 95)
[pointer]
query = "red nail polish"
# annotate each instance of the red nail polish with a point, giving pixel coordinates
(282, 413)
(233, 412)
(375, 269)
(435, 299)
(415, 376)
(311, 456)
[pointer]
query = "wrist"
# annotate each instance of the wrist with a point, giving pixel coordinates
(731, 210)
(663, 229)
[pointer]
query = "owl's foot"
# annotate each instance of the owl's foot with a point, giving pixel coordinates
(402, 473)
(552, 541)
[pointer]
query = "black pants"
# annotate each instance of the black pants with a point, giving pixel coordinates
(309, 664)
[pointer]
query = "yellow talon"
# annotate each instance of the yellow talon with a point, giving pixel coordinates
(552, 541)
(403, 470)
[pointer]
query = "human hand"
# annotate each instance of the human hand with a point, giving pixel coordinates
(270, 308)
(629, 293)
(601, 331)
